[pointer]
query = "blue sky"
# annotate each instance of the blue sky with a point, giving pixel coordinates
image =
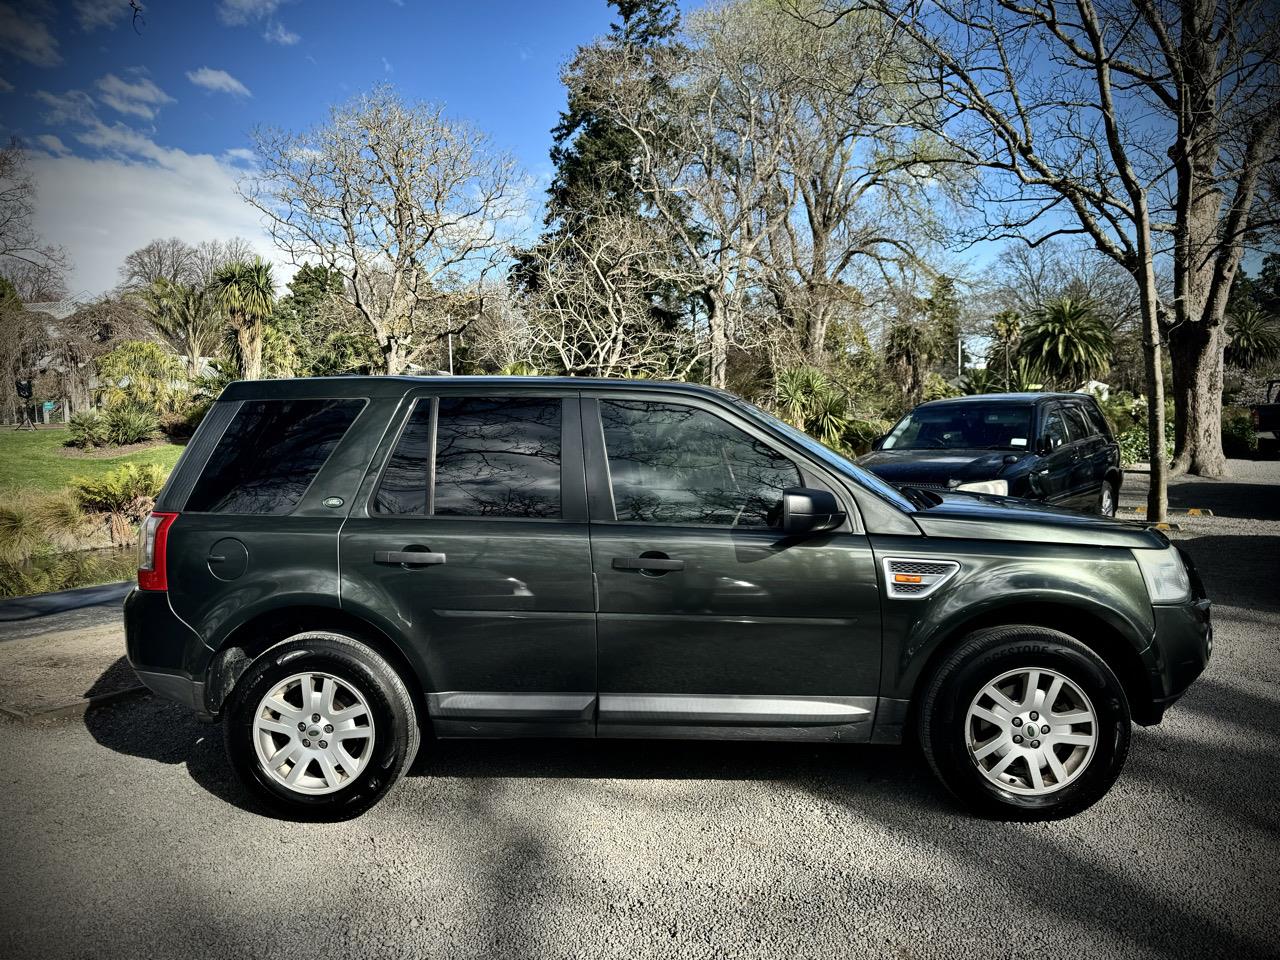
(135, 134)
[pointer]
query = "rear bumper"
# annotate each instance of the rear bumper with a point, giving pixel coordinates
(168, 656)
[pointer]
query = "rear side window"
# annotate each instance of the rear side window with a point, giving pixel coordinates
(494, 457)
(1098, 420)
(269, 454)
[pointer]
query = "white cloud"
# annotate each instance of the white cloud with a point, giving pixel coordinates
(5, 86)
(140, 97)
(277, 32)
(237, 12)
(24, 36)
(387, 67)
(239, 155)
(53, 144)
(218, 81)
(101, 209)
(74, 106)
(92, 14)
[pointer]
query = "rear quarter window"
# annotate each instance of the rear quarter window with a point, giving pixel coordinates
(270, 452)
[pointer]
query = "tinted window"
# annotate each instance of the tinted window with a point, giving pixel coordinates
(1054, 430)
(1077, 423)
(498, 458)
(669, 463)
(405, 481)
(1098, 420)
(269, 454)
(972, 425)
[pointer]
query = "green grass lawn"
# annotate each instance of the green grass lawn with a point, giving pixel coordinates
(40, 461)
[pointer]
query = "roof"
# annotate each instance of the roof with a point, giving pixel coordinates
(369, 386)
(1035, 397)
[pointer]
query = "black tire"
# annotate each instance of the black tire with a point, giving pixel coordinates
(981, 658)
(1107, 495)
(390, 708)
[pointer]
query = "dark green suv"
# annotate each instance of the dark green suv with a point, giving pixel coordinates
(337, 566)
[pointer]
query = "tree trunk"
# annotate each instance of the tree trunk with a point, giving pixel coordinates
(716, 322)
(1195, 351)
(392, 361)
(249, 342)
(816, 336)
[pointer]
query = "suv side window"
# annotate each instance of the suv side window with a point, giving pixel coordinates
(1053, 431)
(1098, 420)
(674, 464)
(1078, 423)
(269, 454)
(493, 457)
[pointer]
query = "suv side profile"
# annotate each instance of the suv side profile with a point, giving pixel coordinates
(339, 566)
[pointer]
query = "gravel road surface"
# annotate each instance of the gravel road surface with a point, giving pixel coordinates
(124, 834)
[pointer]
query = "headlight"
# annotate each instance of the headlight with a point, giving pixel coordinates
(1165, 574)
(999, 487)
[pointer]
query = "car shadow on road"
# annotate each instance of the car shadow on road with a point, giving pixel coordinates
(1227, 498)
(1239, 572)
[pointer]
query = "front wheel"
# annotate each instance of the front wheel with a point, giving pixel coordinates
(320, 727)
(1025, 723)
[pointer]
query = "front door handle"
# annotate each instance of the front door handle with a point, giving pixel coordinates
(647, 563)
(408, 558)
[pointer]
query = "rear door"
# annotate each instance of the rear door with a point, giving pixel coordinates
(471, 545)
(710, 622)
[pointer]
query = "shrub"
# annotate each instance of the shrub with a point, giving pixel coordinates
(1239, 438)
(88, 429)
(126, 424)
(1133, 443)
(141, 374)
(180, 425)
(128, 490)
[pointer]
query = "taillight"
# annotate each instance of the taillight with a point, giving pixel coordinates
(153, 541)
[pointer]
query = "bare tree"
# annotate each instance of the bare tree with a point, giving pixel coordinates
(167, 260)
(36, 281)
(406, 204)
(24, 256)
(591, 312)
(1141, 125)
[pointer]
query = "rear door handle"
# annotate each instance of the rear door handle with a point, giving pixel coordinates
(409, 558)
(646, 563)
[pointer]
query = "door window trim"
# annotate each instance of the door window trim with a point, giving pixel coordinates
(600, 501)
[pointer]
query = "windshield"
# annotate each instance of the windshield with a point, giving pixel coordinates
(830, 457)
(968, 426)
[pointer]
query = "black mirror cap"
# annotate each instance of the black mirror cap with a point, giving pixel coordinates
(804, 510)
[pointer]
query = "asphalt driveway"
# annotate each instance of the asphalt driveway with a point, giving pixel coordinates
(125, 835)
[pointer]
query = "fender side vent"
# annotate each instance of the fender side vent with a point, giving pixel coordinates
(912, 578)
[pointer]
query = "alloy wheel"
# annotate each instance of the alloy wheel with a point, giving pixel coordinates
(1031, 731)
(313, 733)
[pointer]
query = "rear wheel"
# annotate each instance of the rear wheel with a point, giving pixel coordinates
(320, 727)
(1107, 499)
(1025, 723)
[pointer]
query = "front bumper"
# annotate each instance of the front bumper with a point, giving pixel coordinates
(167, 655)
(1180, 648)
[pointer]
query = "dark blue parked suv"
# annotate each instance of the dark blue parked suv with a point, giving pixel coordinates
(1052, 447)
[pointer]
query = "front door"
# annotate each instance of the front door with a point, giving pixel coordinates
(472, 544)
(710, 621)
(1054, 477)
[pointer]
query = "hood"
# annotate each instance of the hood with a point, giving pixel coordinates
(938, 466)
(982, 517)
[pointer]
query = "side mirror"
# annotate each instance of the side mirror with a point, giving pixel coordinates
(878, 442)
(803, 511)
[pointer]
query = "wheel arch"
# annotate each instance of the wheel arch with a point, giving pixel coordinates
(255, 636)
(1093, 630)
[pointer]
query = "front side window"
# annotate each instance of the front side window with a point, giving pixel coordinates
(674, 464)
(1054, 432)
(269, 454)
(493, 457)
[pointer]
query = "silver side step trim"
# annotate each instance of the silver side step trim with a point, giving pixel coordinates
(473, 705)
(754, 710)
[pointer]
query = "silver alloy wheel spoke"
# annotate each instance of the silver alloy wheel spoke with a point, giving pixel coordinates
(1031, 731)
(313, 733)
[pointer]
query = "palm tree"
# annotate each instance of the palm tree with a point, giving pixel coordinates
(247, 292)
(186, 316)
(1067, 342)
(1255, 339)
(909, 350)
